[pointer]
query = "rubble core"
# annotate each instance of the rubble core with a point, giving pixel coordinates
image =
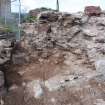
(61, 61)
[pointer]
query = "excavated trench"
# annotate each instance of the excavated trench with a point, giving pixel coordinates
(45, 67)
(22, 69)
(55, 66)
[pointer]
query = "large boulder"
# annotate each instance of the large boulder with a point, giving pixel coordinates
(92, 11)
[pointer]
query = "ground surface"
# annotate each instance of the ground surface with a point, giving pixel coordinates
(72, 81)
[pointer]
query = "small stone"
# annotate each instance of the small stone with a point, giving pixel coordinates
(23, 84)
(89, 32)
(53, 100)
(75, 77)
(67, 80)
(41, 60)
(1, 101)
(21, 73)
(13, 87)
(78, 51)
(100, 66)
(53, 85)
(34, 89)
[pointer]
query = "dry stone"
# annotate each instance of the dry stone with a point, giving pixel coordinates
(34, 89)
(100, 66)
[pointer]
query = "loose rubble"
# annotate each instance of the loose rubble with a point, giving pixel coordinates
(61, 60)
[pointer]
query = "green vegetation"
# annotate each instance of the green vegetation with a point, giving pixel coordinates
(7, 29)
(29, 19)
(11, 28)
(10, 25)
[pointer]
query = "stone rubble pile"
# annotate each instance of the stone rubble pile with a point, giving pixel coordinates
(69, 32)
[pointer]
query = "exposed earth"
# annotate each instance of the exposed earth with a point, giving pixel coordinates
(60, 61)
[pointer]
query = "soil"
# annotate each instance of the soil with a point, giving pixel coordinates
(88, 92)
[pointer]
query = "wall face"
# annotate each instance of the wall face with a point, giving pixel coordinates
(5, 8)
